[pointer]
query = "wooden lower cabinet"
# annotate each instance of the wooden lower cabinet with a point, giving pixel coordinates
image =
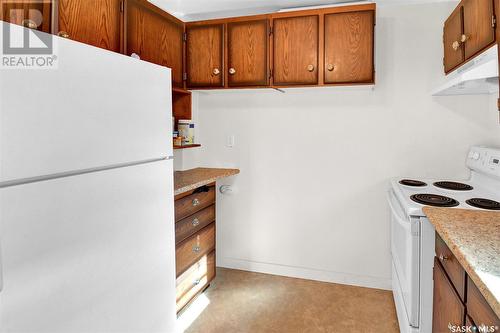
(448, 309)
(195, 279)
(452, 311)
(478, 309)
(195, 243)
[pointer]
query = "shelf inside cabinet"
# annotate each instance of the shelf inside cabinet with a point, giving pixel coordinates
(181, 105)
(188, 146)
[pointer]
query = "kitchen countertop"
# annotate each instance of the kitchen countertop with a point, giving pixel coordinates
(189, 180)
(474, 238)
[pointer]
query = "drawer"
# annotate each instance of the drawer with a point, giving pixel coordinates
(194, 223)
(200, 199)
(195, 279)
(193, 248)
(477, 307)
(451, 266)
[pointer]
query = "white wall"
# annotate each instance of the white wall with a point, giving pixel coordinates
(315, 163)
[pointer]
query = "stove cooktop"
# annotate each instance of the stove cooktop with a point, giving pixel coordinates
(414, 194)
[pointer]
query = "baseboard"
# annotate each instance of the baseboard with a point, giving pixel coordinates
(306, 273)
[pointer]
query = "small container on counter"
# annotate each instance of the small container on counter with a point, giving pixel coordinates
(177, 139)
(186, 131)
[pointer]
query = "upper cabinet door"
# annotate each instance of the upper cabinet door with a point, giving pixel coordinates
(94, 22)
(28, 13)
(155, 36)
(479, 25)
(247, 47)
(349, 47)
(296, 42)
(205, 56)
(453, 47)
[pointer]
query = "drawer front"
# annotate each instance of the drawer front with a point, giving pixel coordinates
(194, 223)
(477, 307)
(195, 279)
(452, 267)
(195, 202)
(193, 248)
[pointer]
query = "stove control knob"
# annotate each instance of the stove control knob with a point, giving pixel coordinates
(476, 156)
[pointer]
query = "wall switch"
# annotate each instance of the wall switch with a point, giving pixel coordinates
(230, 141)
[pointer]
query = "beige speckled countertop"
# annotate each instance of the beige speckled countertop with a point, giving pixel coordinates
(474, 238)
(189, 180)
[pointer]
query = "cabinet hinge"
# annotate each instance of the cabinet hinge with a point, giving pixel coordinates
(184, 76)
(122, 6)
(185, 36)
(493, 21)
(270, 74)
(270, 31)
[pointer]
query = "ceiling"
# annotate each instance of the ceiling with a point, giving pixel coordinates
(192, 10)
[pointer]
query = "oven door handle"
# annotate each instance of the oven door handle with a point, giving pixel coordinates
(405, 223)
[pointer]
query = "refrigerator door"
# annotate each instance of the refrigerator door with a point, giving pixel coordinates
(98, 108)
(90, 253)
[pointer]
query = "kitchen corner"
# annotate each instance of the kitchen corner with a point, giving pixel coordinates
(468, 253)
(474, 239)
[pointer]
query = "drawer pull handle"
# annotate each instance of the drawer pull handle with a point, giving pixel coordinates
(195, 202)
(196, 282)
(196, 249)
(195, 222)
(443, 257)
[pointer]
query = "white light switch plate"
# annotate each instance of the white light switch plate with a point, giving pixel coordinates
(230, 141)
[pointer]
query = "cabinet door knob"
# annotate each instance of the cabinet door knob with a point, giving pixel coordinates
(195, 202)
(232, 71)
(455, 45)
(195, 222)
(63, 34)
(330, 67)
(196, 249)
(464, 38)
(310, 68)
(443, 257)
(216, 71)
(27, 23)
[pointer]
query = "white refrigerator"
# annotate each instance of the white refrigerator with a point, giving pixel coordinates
(86, 195)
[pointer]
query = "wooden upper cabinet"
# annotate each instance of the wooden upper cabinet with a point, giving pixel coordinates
(296, 50)
(247, 48)
(479, 25)
(205, 56)
(453, 47)
(93, 22)
(349, 45)
(447, 309)
(28, 13)
(155, 36)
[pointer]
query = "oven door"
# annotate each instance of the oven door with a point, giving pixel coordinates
(405, 250)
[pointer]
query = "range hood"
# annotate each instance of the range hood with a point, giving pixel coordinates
(477, 77)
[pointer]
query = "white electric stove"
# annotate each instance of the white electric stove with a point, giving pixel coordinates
(412, 235)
